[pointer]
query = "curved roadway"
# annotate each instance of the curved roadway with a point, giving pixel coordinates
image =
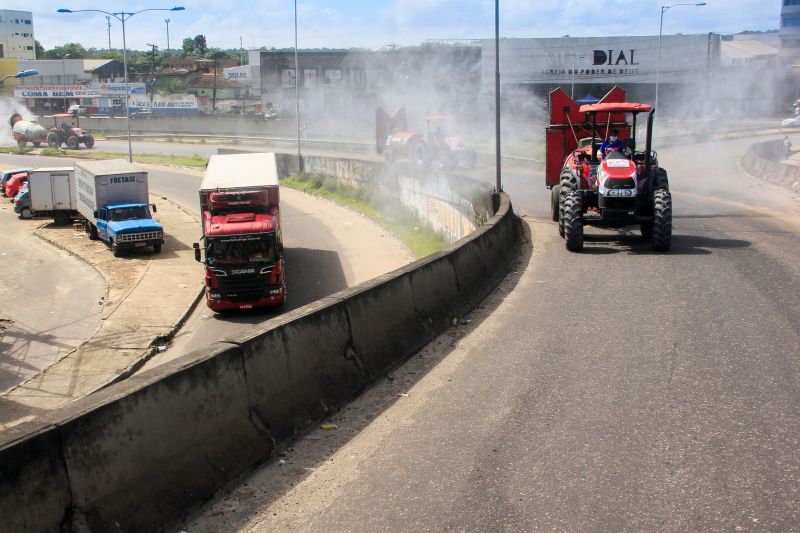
(612, 390)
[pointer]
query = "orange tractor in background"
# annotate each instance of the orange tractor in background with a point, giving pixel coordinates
(394, 140)
(627, 187)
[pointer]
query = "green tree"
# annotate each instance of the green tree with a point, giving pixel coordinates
(75, 51)
(188, 46)
(172, 85)
(39, 50)
(200, 45)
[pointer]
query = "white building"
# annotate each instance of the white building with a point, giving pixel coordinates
(16, 34)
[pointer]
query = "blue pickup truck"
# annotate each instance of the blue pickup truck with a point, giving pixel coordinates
(112, 198)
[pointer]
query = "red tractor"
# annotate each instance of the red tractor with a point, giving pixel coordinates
(625, 188)
(68, 134)
(395, 142)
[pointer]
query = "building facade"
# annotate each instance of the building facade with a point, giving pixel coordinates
(16, 34)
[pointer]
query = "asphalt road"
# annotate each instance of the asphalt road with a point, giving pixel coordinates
(612, 390)
(40, 322)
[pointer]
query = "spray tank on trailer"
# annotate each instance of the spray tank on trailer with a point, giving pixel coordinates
(26, 131)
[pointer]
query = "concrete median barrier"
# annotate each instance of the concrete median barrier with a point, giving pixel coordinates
(765, 160)
(140, 454)
(34, 487)
(299, 370)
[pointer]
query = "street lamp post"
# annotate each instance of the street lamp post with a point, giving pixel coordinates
(122, 16)
(497, 154)
(167, 23)
(21, 74)
(664, 9)
(297, 93)
(64, 74)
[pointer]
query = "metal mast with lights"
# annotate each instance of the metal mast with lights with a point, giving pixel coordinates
(664, 9)
(122, 16)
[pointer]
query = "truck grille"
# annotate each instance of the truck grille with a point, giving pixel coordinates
(139, 237)
(244, 288)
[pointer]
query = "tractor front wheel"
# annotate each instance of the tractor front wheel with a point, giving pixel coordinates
(73, 143)
(662, 220)
(88, 140)
(53, 140)
(573, 221)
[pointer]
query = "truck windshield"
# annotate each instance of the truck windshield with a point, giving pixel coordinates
(129, 213)
(242, 249)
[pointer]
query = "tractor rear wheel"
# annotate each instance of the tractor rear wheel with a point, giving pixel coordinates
(555, 192)
(662, 220)
(572, 218)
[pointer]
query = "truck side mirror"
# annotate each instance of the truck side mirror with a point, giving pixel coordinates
(94, 214)
(154, 208)
(196, 252)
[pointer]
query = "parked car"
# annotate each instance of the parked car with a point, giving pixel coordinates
(6, 175)
(22, 203)
(15, 184)
(77, 109)
(793, 122)
(142, 113)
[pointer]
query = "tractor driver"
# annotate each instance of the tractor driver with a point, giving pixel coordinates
(612, 144)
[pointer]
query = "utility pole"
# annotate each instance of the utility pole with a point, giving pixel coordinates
(214, 91)
(167, 21)
(108, 30)
(152, 71)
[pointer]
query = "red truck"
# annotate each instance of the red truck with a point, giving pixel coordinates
(242, 241)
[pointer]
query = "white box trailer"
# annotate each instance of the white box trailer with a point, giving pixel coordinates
(52, 193)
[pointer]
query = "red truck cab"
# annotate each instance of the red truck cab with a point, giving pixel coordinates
(240, 209)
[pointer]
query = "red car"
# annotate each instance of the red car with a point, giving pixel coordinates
(14, 184)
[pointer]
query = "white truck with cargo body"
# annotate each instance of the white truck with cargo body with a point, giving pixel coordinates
(112, 196)
(51, 193)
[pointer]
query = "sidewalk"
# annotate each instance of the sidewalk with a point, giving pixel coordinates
(148, 296)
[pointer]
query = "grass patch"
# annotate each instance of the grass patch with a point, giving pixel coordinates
(419, 238)
(16, 149)
(198, 161)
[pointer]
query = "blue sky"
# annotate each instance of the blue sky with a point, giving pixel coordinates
(372, 23)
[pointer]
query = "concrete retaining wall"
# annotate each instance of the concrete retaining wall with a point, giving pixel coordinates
(764, 160)
(140, 454)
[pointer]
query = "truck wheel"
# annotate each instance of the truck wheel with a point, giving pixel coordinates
(88, 140)
(93, 236)
(21, 142)
(26, 213)
(115, 249)
(156, 248)
(573, 221)
(53, 140)
(662, 220)
(555, 192)
(72, 143)
(61, 218)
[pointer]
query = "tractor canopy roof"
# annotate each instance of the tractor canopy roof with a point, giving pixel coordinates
(615, 107)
